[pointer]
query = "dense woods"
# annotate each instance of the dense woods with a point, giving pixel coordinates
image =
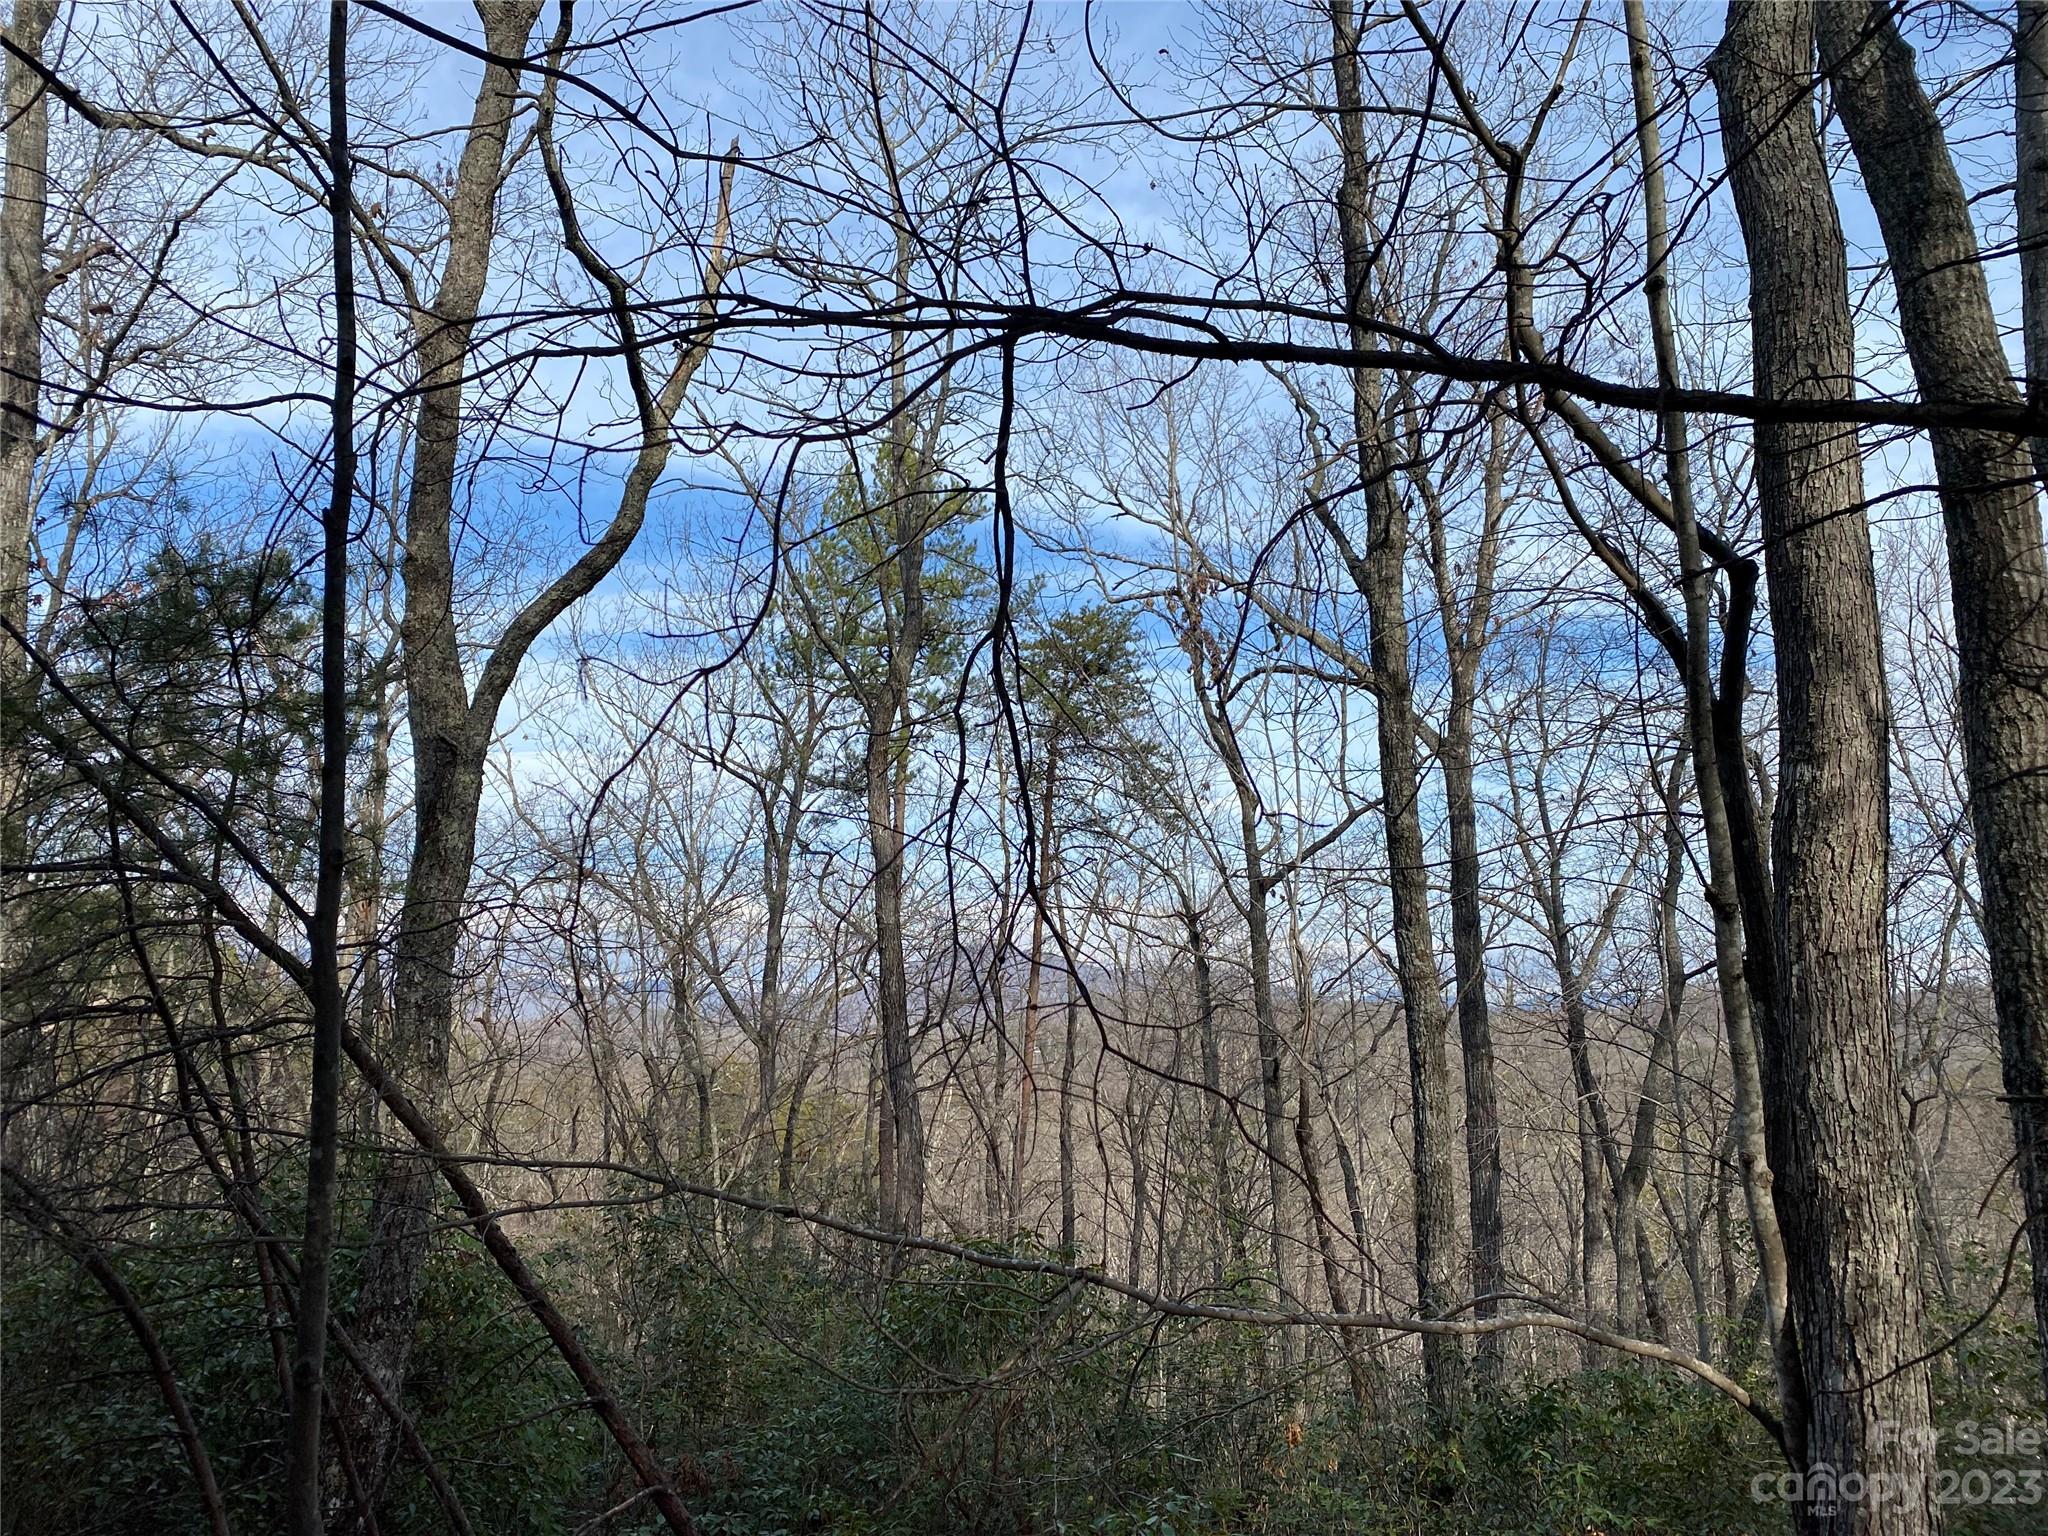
(1246, 767)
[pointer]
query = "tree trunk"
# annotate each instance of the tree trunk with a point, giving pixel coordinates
(23, 216)
(883, 1114)
(777, 845)
(1382, 580)
(1362, 1396)
(997, 1210)
(597, 1392)
(1475, 1025)
(1724, 1239)
(448, 770)
(1135, 1128)
(1599, 1161)
(1024, 1133)
(1630, 1240)
(1272, 1066)
(1596, 1244)
(903, 1184)
(1259, 957)
(1738, 880)
(1636, 1299)
(1229, 1256)
(304, 1515)
(1070, 1235)
(785, 1157)
(1837, 1136)
(1998, 572)
(2030, 197)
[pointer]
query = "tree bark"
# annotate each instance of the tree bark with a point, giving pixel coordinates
(23, 286)
(304, 1515)
(1362, 1395)
(1382, 581)
(1024, 1133)
(1475, 1033)
(1229, 1256)
(1738, 878)
(2030, 199)
(1070, 1234)
(1998, 571)
(1259, 882)
(903, 1183)
(448, 755)
(1465, 637)
(1837, 1135)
